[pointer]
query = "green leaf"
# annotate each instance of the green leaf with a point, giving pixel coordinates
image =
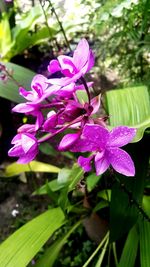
(74, 177)
(92, 181)
(51, 254)
(144, 230)
(20, 33)
(9, 89)
(63, 175)
(41, 35)
(130, 249)
(54, 186)
(5, 35)
(22, 246)
(131, 107)
(34, 166)
(123, 211)
(47, 149)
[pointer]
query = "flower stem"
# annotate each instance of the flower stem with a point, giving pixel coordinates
(60, 25)
(46, 20)
(86, 88)
(48, 136)
(105, 240)
(132, 200)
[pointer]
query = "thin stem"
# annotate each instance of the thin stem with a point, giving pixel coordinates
(86, 88)
(109, 255)
(115, 253)
(132, 200)
(12, 78)
(67, 43)
(100, 260)
(105, 239)
(60, 25)
(46, 20)
(48, 136)
(52, 105)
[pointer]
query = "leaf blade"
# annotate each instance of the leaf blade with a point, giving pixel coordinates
(23, 245)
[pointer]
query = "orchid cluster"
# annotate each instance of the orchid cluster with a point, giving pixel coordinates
(56, 107)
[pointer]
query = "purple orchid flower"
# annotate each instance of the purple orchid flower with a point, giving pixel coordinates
(105, 148)
(74, 67)
(40, 90)
(70, 111)
(25, 147)
(31, 109)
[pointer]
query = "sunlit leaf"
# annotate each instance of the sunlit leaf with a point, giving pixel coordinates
(131, 107)
(54, 186)
(22, 246)
(34, 166)
(5, 35)
(92, 180)
(51, 254)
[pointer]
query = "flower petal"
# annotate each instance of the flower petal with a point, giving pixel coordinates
(26, 158)
(67, 66)
(68, 140)
(121, 135)
(41, 80)
(96, 134)
(81, 54)
(121, 161)
(85, 163)
(15, 151)
(24, 107)
(53, 66)
(89, 64)
(101, 163)
(27, 142)
(95, 103)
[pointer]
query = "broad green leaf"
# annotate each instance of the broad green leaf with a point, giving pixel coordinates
(105, 194)
(123, 211)
(47, 149)
(63, 175)
(102, 204)
(131, 107)
(130, 249)
(74, 177)
(34, 166)
(144, 230)
(22, 246)
(54, 186)
(51, 254)
(92, 181)
(9, 89)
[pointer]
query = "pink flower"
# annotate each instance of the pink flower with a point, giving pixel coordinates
(25, 147)
(40, 89)
(105, 148)
(70, 111)
(74, 67)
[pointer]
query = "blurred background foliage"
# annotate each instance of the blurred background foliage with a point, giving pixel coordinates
(118, 31)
